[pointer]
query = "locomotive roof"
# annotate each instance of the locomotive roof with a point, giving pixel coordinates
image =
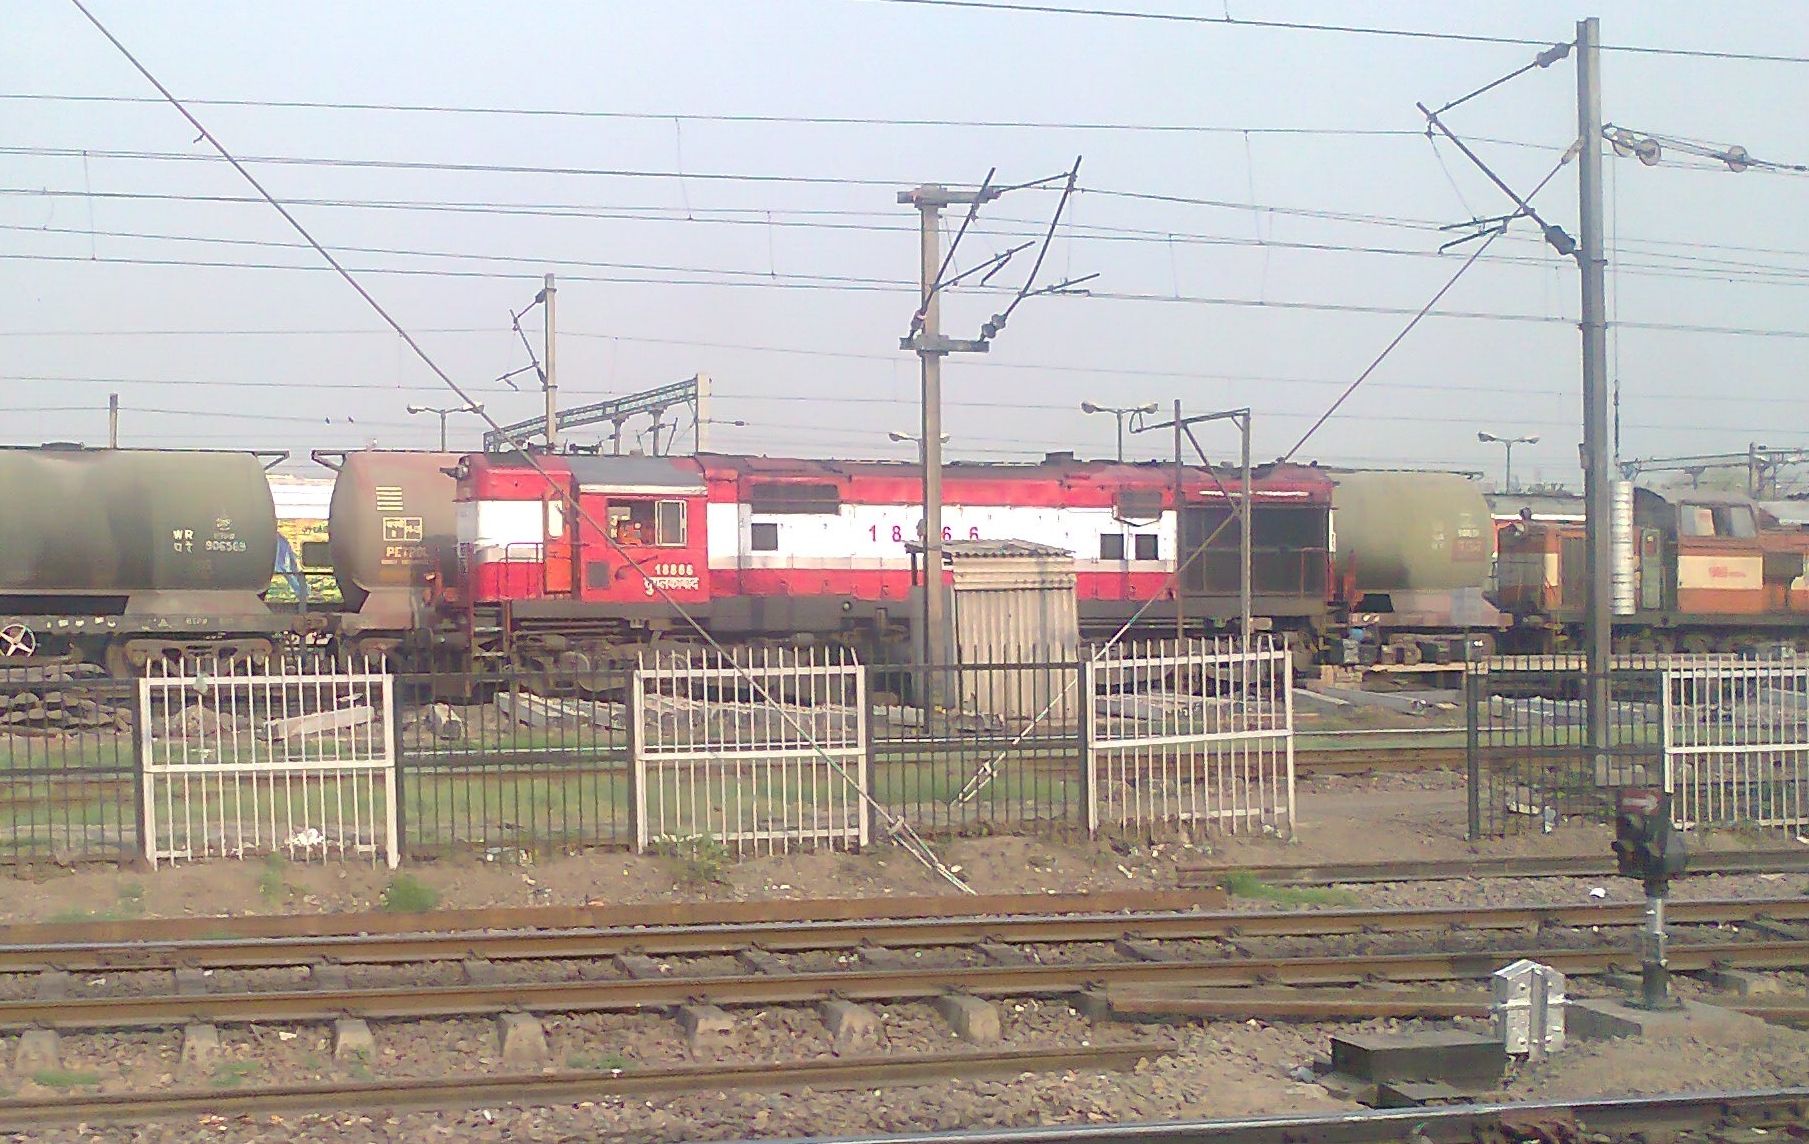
(1056, 466)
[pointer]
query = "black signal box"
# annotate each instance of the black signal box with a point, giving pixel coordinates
(1644, 845)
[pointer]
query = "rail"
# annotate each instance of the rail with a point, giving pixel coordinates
(1768, 861)
(840, 935)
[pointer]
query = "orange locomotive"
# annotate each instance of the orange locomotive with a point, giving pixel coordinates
(1694, 571)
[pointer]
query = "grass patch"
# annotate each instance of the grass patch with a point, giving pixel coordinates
(594, 1062)
(697, 861)
(271, 884)
(231, 1074)
(131, 894)
(407, 894)
(1244, 884)
(65, 1078)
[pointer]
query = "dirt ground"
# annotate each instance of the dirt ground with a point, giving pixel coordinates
(1375, 818)
(1214, 1069)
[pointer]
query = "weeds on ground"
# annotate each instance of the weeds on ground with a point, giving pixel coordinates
(128, 904)
(592, 1062)
(698, 861)
(271, 884)
(231, 1074)
(65, 1078)
(1243, 884)
(359, 1069)
(407, 894)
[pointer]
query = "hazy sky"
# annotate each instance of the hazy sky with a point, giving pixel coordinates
(1260, 204)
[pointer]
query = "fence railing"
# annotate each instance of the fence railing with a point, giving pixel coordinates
(761, 753)
(1729, 737)
(1197, 733)
(292, 757)
(314, 760)
(1736, 744)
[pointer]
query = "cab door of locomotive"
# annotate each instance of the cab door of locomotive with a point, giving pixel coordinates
(651, 545)
(559, 550)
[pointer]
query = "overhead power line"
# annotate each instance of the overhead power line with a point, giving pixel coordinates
(749, 119)
(1230, 21)
(879, 285)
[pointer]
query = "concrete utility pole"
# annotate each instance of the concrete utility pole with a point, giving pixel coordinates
(112, 420)
(930, 345)
(1597, 463)
(552, 378)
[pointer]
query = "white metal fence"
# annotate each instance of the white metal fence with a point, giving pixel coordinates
(1194, 732)
(765, 754)
(296, 758)
(1736, 742)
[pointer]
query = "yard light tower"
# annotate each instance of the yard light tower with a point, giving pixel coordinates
(1120, 412)
(1509, 442)
(445, 413)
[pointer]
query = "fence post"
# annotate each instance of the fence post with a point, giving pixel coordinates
(392, 715)
(1089, 758)
(1473, 748)
(141, 778)
(864, 800)
(637, 761)
(1287, 692)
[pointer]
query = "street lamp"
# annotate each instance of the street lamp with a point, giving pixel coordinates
(913, 439)
(445, 413)
(1120, 412)
(1509, 442)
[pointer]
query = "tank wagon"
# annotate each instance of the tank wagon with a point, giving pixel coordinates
(392, 531)
(120, 555)
(1412, 558)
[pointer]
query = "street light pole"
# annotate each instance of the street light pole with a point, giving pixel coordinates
(445, 413)
(1490, 438)
(1119, 412)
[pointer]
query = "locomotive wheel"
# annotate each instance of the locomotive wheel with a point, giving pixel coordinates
(18, 641)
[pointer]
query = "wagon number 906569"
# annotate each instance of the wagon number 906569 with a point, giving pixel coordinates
(898, 534)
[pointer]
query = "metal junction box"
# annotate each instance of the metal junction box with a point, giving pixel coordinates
(1527, 996)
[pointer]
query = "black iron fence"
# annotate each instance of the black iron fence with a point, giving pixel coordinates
(514, 764)
(1531, 764)
(68, 765)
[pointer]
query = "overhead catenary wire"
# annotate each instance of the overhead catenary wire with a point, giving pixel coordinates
(1388, 349)
(1230, 21)
(901, 830)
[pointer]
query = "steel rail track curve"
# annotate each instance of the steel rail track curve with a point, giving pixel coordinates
(908, 933)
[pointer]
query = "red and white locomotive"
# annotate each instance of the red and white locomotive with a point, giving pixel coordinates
(549, 561)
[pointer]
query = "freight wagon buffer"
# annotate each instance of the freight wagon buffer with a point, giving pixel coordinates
(580, 555)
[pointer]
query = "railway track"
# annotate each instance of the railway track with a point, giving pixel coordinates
(481, 945)
(878, 1071)
(1609, 1119)
(1769, 861)
(998, 957)
(1387, 760)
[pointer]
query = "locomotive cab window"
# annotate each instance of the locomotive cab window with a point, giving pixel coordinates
(1146, 546)
(764, 536)
(1111, 546)
(644, 523)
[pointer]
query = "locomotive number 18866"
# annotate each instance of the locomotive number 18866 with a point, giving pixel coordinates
(898, 533)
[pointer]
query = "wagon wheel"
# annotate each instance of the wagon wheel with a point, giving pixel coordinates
(18, 640)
